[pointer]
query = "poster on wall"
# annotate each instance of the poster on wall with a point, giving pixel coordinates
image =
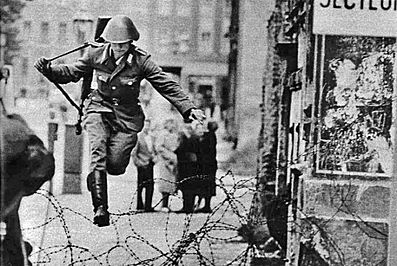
(356, 103)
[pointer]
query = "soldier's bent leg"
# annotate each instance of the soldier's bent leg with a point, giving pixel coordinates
(119, 150)
(99, 195)
(98, 134)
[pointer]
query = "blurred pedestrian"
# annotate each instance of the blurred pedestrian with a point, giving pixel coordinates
(209, 103)
(113, 116)
(144, 158)
(188, 167)
(26, 165)
(166, 143)
(208, 165)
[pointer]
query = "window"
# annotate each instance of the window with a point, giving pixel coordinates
(356, 105)
(181, 43)
(164, 42)
(225, 41)
(227, 8)
(206, 36)
(184, 43)
(44, 32)
(62, 30)
(205, 42)
(206, 27)
(27, 29)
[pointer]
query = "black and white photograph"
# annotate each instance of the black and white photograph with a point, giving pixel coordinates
(198, 132)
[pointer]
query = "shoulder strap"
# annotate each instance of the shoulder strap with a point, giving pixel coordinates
(140, 51)
(96, 44)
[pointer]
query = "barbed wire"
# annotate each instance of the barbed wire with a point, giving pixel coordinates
(200, 235)
(198, 241)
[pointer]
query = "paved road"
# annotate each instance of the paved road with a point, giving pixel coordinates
(61, 231)
(62, 227)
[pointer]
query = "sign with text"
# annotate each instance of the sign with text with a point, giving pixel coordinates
(355, 17)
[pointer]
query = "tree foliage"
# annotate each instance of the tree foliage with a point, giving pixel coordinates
(10, 11)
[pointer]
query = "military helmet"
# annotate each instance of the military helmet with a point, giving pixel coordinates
(120, 29)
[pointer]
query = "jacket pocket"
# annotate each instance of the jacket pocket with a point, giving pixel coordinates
(125, 81)
(102, 76)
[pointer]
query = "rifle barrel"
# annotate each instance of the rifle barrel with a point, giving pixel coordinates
(71, 51)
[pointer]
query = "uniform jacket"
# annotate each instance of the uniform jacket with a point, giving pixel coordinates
(143, 154)
(119, 85)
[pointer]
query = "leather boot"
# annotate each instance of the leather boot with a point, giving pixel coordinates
(148, 197)
(99, 195)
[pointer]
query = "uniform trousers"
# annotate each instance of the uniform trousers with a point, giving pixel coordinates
(110, 148)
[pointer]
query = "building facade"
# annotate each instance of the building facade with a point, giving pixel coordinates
(190, 39)
(186, 38)
(328, 140)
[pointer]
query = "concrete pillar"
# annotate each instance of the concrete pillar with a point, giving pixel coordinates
(73, 154)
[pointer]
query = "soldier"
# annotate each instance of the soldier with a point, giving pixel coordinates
(113, 116)
(25, 166)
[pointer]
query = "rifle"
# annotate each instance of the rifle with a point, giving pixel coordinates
(87, 78)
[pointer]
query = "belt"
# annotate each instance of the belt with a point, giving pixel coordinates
(117, 101)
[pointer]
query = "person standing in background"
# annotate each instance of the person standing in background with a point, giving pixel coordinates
(165, 145)
(208, 165)
(188, 167)
(144, 158)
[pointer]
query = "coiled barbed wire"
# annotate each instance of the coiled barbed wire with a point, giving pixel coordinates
(199, 241)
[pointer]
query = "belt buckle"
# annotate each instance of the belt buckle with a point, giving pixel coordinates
(115, 101)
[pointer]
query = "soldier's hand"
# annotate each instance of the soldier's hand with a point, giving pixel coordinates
(43, 65)
(196, 115)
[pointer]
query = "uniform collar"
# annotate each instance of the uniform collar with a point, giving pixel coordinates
(106, 58)
(130, 57)
(108, 61)
(107, 55)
